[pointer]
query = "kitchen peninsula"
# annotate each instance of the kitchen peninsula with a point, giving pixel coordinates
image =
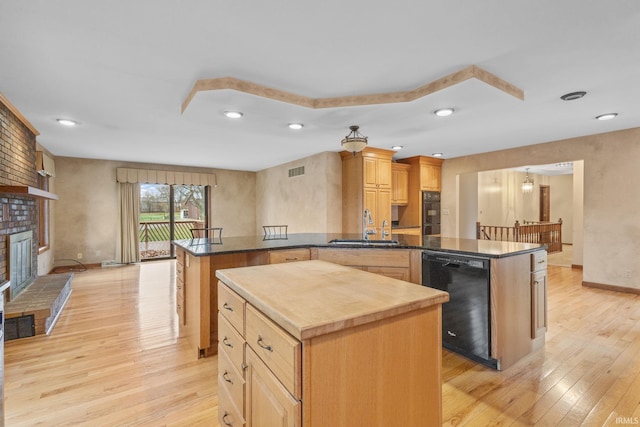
(518, 290)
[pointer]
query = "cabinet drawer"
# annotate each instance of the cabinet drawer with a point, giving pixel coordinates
(228, 414)
(289, 255)
(179, 271)
(231, 306)
(538, 260)
(231, 342)
(180, 287)
(280, 351)
(180, 309)
(230, 378)
(180, 257)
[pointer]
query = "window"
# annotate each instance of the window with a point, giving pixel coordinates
(169, 212)
(43, 219)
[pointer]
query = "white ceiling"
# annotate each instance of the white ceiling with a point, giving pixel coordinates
(123, 68)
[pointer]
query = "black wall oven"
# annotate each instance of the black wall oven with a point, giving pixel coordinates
(466, 318)
(430, 212)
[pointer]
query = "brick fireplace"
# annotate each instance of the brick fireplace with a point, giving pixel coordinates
(18, 213)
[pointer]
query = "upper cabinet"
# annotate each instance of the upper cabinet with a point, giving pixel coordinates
(377, 172)
(366, 185)
(430, 175)
(399, 183)
(424, 175)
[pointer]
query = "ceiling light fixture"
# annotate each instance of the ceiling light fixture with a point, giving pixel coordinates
(354, 141)
(233, 114)
(444, 112)
(527, 185)
(607, 116)
(67, 122)
(397, 147)
(573, 95)
(296, 126)
(437, 154)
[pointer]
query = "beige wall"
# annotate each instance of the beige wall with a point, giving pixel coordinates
(561, 201)
(309, 203)
(86, 215)
(611, 231)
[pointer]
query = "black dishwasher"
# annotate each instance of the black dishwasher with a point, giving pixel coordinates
(466, 318)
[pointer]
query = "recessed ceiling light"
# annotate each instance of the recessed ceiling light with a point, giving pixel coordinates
(437, 154)
(233, 114)
(67, 122)
(607, 116)
(296, 126)
(444, 112)
(573, 95)
(397, 147)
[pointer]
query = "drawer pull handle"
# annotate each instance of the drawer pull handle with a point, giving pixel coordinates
(227, 307)
(541, 261)
(244, 366)
(291, 259)
(224, 419)
(225, 377)
(226, 342)
(260, 343)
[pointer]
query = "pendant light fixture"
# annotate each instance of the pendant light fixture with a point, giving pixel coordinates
(527, 185)
(354, 141)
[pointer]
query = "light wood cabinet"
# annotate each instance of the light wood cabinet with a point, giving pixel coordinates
(200, 325)
(377, 171)
(267, 402)
(399, 183)
(538, 294)
(259, 367)
(395, 263)
(331, 361)
(366, 185)
(518, 306)
(180, 307)
(424, 175)
(430, 177)
(289, 255)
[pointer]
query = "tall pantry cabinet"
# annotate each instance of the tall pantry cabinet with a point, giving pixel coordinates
(366, 185)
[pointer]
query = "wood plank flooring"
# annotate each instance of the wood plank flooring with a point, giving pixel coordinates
(115, 359)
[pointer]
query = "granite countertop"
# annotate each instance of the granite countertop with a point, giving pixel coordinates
(486, 248)
(311, 298)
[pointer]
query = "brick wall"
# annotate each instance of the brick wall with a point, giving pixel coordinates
(17, 167)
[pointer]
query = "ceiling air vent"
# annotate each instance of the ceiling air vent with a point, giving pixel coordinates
(296, 171)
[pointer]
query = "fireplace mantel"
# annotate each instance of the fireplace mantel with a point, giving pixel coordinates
(26, 191)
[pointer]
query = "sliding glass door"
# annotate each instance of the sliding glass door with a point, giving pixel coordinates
(169, 212)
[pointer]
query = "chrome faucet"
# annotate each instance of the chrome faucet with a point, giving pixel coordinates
(366, 221)
(385, 233)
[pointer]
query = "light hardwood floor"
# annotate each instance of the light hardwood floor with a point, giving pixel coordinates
(115, 359)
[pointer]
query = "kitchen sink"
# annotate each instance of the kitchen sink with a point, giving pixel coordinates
(363, 242)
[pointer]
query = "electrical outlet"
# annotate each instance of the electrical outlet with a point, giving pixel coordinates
(445, 211)
(79, 255)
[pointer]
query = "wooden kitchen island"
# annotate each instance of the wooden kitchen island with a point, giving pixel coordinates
(318, 344)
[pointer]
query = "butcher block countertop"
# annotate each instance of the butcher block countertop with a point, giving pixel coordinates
(312, 298)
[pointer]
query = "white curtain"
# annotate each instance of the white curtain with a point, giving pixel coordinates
(128, 250)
